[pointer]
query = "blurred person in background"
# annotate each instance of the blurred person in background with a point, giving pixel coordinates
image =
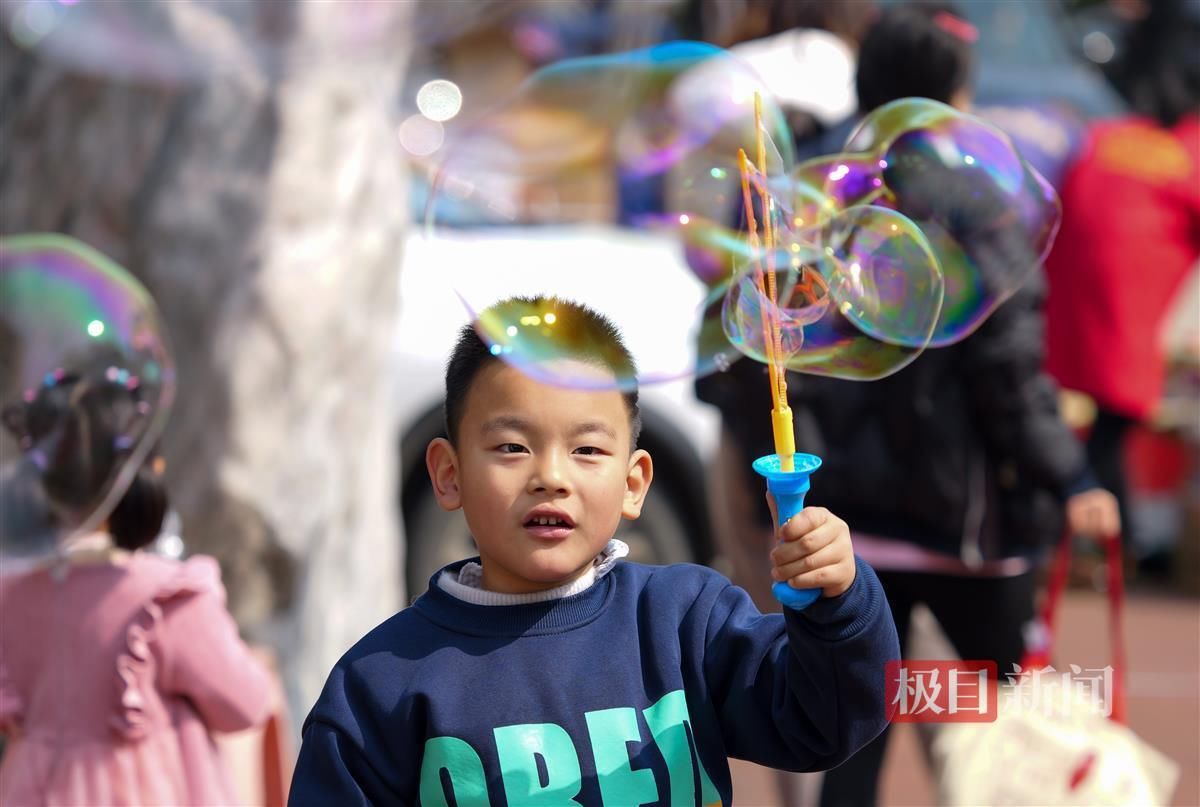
(1130, 236)
(954, 472)
(116, 665)
(942, 39)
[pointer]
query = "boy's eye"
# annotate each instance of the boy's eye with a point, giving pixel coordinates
(510, 448)
(589, 450)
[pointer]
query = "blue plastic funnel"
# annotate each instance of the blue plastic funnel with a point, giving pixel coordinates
(788, 488)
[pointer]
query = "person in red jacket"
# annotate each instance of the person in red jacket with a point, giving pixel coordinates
(1130, 235)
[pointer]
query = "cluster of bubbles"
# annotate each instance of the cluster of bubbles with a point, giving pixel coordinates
(988, 215)
(856, 297)
(909, 239)
(86, 384)
(854, 263)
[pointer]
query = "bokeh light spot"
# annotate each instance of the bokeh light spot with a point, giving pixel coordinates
(439, 100)
(421, 136)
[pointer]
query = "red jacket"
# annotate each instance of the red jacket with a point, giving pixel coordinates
(1130, 235)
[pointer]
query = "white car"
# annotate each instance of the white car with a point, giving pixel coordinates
(639, 279)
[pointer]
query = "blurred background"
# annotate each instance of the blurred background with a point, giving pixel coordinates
(267, 170)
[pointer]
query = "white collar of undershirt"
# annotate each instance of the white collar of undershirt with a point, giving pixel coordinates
(466, 584)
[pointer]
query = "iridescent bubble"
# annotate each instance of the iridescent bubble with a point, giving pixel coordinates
(989, 216)
(606, 140)
(716, 251)
(832, 183)
(876, 130)
(86, 384)
(856, 298)
(537, 334)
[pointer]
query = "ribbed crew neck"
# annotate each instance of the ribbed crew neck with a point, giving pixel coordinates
(525, 619)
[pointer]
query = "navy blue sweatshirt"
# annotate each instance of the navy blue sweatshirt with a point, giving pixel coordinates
(635, 691)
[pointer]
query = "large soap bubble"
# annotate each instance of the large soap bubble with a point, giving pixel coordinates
(601, 141)
(988, 215)
(86, 384)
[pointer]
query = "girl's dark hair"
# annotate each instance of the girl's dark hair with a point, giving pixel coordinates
(918, 49)
(138, 517)
(79, 428)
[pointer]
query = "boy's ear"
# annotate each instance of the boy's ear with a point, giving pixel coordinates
(441, 461)
(637, 483)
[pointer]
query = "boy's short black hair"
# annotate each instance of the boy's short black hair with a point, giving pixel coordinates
(572, 331)
(916, 49)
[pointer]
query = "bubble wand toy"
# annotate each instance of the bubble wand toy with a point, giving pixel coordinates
(786, 471)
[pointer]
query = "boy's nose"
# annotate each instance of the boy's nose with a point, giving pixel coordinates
(549, 476)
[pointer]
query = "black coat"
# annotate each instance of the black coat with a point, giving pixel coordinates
(963, 451)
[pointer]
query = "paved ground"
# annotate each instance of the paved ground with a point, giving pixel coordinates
(1163, 638)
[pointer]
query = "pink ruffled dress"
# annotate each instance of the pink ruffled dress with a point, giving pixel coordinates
(112, 677)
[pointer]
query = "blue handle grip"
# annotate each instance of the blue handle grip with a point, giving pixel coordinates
(788, 488)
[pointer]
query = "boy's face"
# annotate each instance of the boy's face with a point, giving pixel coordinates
(543, 474)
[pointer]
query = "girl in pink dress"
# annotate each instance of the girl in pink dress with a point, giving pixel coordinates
(115, 667)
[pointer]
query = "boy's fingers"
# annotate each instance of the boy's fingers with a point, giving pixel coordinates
(827, 555)
(804, 522)
(790, 550)
(823, 576)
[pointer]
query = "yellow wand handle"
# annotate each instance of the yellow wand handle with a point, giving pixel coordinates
(785, 436)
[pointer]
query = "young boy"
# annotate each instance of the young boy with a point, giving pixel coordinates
(548, 672)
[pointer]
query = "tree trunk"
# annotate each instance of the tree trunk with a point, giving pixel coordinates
(265, 210)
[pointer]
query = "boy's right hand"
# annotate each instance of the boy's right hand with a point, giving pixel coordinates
(813, 551)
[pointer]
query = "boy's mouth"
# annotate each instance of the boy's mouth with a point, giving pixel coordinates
(548, 523)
